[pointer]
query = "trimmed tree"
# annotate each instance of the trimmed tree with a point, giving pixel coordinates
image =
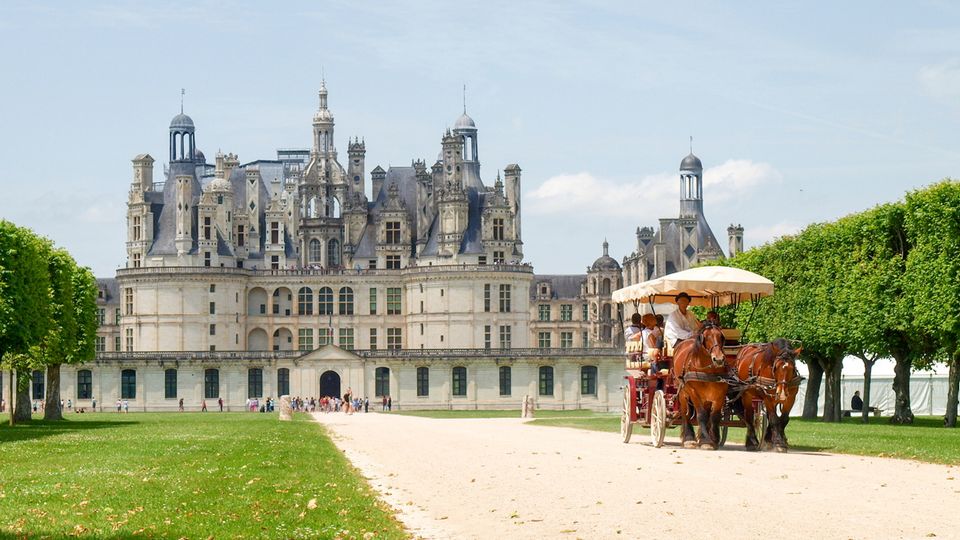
(60, 343)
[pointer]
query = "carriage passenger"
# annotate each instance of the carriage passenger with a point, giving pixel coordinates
(652, 341)
(632, 332)
(714, 318)
(682, 324)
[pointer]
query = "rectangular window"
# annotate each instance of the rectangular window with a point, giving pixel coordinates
(393, 262)
(504, 298)
(543, 340)
(423, 381)
(128, 300)
(211, 383)
(394, 338)
(486, 337)
(128, 384)
(325, 337)
(206, 258)
(505, 383)
(381, 382)
(129, 339)
(588, 381)
(373, 339)
(254, 383)
(546, 381)
(116, 343)
(393, 301)
(213, 288)
(486, 297)
(136, 260)
(566, 340)
(136, 228)
(102, 314)
(393, 233)
(498, 228)
(586, 341)
(213, 329)
(283, 382)
(373, 301)
(584, 314)
(498, 257)
(116, 316)
(213, 308)
(170, 384)
(459, 381)
(84, 384)
(305, 339)
(206, 228)
(544, 312)
(505, 336)
(566, 312)
(240, 236)
(101, 344)
(346, 339)
(482, 260)
(372, 265)
(274, 232)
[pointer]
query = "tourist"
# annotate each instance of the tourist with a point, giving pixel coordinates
(682, 323)
(220, 402)
(366, 404)
(126, 406)
(119, 404)
(650, 336)
(634, 330)
(384, 404)
(714, 318)
(389, 403)
(856, 403)
(69, 404)
(181, 405)
(203, 405)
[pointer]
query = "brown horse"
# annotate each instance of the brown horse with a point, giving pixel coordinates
(699, 368)
(770, 371)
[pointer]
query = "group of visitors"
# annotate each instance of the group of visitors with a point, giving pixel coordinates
(655, 333)
(254, 405)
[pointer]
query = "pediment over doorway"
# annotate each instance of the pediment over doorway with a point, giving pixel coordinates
(328, 353)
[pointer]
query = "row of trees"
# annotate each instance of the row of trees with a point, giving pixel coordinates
(48, 315)
(883, 283)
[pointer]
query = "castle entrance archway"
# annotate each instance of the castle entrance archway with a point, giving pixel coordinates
(330, 384)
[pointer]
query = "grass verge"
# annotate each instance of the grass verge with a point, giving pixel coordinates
(508, 413)
(925, 440)
(173, 475)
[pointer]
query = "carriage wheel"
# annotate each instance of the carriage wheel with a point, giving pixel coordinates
(760, 423)
(723, 436)
(626, 426)
(658, 419)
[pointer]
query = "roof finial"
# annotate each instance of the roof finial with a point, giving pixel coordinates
(323, 79)
(183, 91)
(691, 144)
(464, 98)
(606, 250)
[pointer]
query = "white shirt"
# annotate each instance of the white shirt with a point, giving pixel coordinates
(680, 326)
(630, 331)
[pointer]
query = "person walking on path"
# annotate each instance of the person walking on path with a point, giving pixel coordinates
(384, 404)
(220, 402)
(119, 404)
(203, 405)
(389, 403)
(180, 404)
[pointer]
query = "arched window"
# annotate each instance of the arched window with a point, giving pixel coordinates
(211, 383)
(346, 301)
(283, 382)
(37, 377)
(84, 384)
(546, 381)
(606, 286)
(333, 253)
(170, 384)
(305, 301)
(459, 381)
(606, 312)
(423, 381)
(382, 382)
(315, 251)
(128, 384)
(588, 381)
(254, 383)
(325, 301)
(333, 207)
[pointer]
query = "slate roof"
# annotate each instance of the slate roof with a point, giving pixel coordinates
(561, 286)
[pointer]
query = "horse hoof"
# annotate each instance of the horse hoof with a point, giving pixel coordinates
(780, 449)
(707, 446)
(689, 444)
(750, 448)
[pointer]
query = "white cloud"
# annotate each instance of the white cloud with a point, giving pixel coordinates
(941, 81)
(655, 195)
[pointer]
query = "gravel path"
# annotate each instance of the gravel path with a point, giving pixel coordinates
(500, 478)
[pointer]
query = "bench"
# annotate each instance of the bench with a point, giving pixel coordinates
(847, 413)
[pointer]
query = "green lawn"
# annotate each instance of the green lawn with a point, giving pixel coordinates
(173, 475)
(509, 413)
(926, 440)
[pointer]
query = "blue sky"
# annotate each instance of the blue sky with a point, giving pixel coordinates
(800, 112)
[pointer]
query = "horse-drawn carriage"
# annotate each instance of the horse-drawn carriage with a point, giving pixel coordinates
(711, 379)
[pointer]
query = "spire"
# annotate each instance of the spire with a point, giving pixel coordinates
(464, 98)
(183, 91)
(606, 248)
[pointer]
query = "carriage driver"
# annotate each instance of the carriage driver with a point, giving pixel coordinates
(682, 323)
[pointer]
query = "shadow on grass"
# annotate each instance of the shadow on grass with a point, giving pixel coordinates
(38, 429)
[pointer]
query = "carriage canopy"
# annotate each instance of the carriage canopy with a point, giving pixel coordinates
(708, 286)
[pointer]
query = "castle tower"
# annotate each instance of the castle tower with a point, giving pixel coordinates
(452, 202)
(182, 143)
(357, 151)
(512, 191)
(323, 127)
(139, 216)
(184, 237)
(735, 234)
(691, 186)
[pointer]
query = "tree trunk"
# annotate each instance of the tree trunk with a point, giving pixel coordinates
(52, 409)
(867, 371)
(812, 396)
(950, 419)
(902, 413)
(22, 413)
(10, 397)
(832, 369)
